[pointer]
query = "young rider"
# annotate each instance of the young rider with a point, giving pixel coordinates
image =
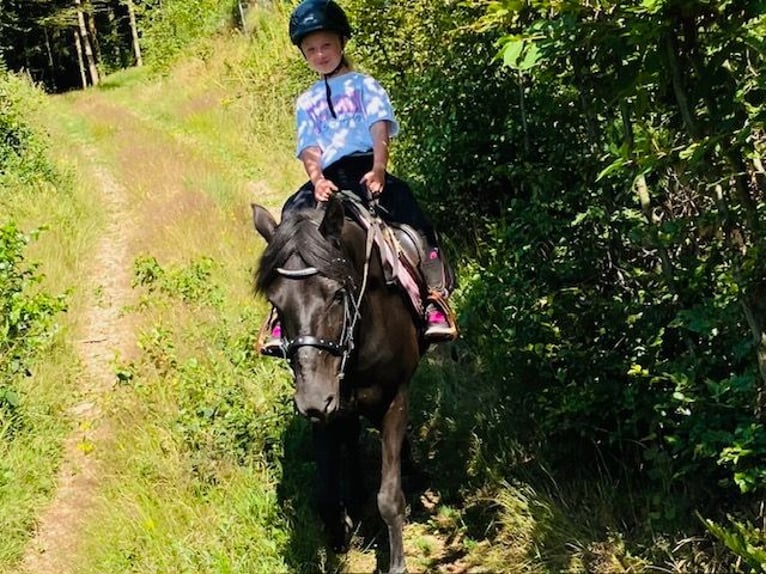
(344, 123)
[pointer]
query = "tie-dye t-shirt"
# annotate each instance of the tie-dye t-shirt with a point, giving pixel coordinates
(359, 101)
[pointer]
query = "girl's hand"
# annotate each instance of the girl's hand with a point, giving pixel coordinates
(374, 180)
(323, 189)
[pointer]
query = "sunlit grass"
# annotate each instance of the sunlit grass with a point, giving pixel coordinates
(70, 223)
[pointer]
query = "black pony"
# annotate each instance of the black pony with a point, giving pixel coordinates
(353, 346)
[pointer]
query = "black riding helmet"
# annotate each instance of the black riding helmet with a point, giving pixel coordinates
(315, 15)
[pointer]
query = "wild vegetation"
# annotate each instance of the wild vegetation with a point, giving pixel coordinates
(596, 169)
(608, 174)
(31, 425)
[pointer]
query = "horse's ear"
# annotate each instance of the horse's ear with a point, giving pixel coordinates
(332, 223)
(264, 222)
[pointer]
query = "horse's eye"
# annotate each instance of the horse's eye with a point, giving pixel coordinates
(340, 295)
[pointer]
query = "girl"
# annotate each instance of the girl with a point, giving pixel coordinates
(344, 123)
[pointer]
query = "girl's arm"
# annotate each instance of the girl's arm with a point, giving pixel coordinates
(312, 163)
(376, 178)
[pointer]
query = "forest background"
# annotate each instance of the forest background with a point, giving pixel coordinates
(596, 168)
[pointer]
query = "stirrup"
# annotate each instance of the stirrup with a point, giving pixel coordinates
(266, 344)
(442, 334)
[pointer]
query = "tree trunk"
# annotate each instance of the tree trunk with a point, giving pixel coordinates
(523, 112)
(668, 270)
(242, 17)
(134, 32)
(676, 74)
(114, 29)
(93, 34)
(86, 45)
(80, 59)
(753, 314)
(51, 64)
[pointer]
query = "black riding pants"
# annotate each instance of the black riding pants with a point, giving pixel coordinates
(397, 200)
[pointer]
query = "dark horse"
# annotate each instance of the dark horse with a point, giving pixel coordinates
(352, 345)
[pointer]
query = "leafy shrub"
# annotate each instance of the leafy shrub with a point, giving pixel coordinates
(171, 27)
(26, 316)
(216, 420)
(610, 323)
(744, 539)
(189, 283)
(457, 109)
(22, 150)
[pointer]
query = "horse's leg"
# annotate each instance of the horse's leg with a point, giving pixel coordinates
(327, 453)
(390, 496)
(355, 491)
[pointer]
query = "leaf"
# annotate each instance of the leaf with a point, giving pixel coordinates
(531, 57)
(512, 52)
(652, 6)
(616, 165)
(520, 53)
(10, 397)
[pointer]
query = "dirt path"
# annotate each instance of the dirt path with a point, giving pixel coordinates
(104, 334)
(134, 218)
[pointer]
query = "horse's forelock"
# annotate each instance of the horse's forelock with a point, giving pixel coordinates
(299, 234)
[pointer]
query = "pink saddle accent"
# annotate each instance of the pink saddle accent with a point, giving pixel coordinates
(396, 265)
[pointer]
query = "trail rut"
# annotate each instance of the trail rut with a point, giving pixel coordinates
(104, 335)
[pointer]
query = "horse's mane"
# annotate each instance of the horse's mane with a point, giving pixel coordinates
(298, 234)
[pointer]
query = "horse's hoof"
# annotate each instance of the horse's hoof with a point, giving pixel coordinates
(340, 548)
(342, 542)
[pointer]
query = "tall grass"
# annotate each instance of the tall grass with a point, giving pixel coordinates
(40, 194)
(233, 101)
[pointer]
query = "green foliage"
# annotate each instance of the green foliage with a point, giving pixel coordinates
(744, 540)
(171, 27)
(190, 284)
(26, 312)
(22, 150)
(27, 317)
(600, 164)
(456, 108)
(226, 410)
(215, 418)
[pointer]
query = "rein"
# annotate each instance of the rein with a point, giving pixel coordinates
(351, 314)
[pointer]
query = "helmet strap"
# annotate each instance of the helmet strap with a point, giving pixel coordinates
(328, 92)
(328, 95)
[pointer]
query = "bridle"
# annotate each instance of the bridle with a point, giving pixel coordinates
(344, 346)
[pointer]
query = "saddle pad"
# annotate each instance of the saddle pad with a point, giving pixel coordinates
(397, 268)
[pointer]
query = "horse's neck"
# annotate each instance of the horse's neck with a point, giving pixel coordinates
(355, 243)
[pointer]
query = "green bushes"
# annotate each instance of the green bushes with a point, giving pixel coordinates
(26, 313)
(26, 324)
(459, 139)
(170, 27)
(22, 152)
(607, 189)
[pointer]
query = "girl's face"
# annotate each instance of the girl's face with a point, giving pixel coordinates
(323, 51)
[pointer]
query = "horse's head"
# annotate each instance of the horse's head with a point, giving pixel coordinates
(306, 275)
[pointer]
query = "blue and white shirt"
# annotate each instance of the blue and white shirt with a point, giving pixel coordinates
(359, 101)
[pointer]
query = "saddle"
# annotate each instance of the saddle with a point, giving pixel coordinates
(402, 251)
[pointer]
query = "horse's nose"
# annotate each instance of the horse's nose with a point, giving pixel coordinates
(317, 411)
